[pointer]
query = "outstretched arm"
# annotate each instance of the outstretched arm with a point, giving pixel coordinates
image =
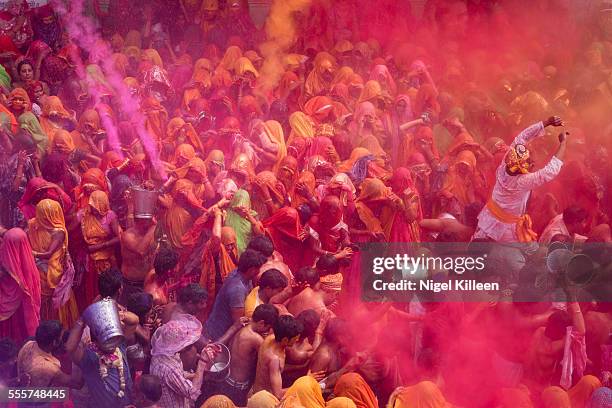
(535, 130)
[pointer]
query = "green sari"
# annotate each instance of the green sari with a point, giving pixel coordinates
(242, 226)
(27, 121)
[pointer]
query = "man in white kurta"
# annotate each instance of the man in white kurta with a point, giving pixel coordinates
(501, 219)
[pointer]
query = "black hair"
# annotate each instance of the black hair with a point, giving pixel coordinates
(47, 332)
(22, 63)
(165, 260)
(8, 349)
(287, 327)
(334, 328)
(307, 275)
(140, 304)
(251, 258)
(327, 264)
(273, 279)
(267, 313)
(557, 324)
(192, 293)
(109, 282)
(150, 386)
(574, 214)
(262, 244)
(305, 213)
(310, 321)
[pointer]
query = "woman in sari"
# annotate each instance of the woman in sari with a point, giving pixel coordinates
(156, 118)
(367, 130)
(49, 239)
(183, 154)
(405, 225)
(200, 83)
(92, 180)
(19, 287)
(424, 394)
(101, 232)
(222, 76)
(19, 102)
(55, 117)
(354, 387)
(39, 189)
(179, 132)
(401, 113)
(375, 209)
(342, 187)
(381, 74)
(273, 141)
(301, 127)
(28, 123)
(284, 228)
(195, 171)
(181, 210)
(86, 135)
(464, 180)
(242, 219)
(320, 78)
(327, 231)
(268, 193)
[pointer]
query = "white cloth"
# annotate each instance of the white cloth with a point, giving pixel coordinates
(512, 192)
(556, 226)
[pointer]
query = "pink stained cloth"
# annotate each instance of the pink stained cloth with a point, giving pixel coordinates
(175, 335)
(319, 146)
(574, 359)
(381, 74)
(20, 287)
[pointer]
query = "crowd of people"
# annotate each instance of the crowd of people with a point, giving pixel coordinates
(216, 182)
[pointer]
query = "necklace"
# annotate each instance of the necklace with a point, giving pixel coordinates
(107, 361)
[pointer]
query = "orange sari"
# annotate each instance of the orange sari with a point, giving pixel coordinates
(52, 106)
(49, 219)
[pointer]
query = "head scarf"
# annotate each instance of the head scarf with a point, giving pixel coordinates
(176, 335)
(21, 288)
(5, 79)
(232, 54)
(8, 119)
(217, 157)
(356, 154)
(315, 83)
(371, 92)
(354, 387)
(244, 65)
(156, 117)
(555, 397)
(289, 82)
(307, 391)
(241, 226)
(183, 152)
(151, 55)
(92, 179)
(62, 142)
(319, 108)
(35, 185)
(514, 398)
(341, 402)
(381, 73)
(581, 392)
(422, 395)
(27, 121)
(121, 63)
(21, 93)
(517, 159)
(427, 98)
(110, 160)
(175, 126)
(262, 399)
(601, 398)
(274, 132)
(301, 126)
(343, 75)
(52, 106)
(218, 401)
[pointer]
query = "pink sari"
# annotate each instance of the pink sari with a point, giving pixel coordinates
(19, 287)
(403, 230)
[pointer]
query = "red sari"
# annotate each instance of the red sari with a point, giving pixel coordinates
(40, 189)
(402, 229)
(19, 287)
(284, 228)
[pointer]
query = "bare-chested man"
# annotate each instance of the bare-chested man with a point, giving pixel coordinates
(138, 249)
(271, 356)
(311, 296)
(244, 350)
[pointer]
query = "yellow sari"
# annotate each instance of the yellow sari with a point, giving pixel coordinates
(49, 219)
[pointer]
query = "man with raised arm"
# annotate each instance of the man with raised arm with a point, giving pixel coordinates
(503, 219)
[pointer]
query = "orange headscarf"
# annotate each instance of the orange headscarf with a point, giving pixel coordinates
(157, 117)
(301, 126)
(305, 392)
(183, 152)
(178, 220)
(175, 126)
(93, 232)
(315, 84)
(371, 92)
(52, 106)
(93, 180)
(555, 397)
(343, 76)
(21, 93)
(151, 55)
(374, 190)
(11, 118)
(274, 131)
(121, 63)
(422, 395)
(202, 76)
(353, 386)
(581, 392)
(244, 65)
(232, 54)
(62, 142)
(89, 120)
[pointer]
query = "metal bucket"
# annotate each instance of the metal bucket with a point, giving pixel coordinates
(219, 369)
(145, 202)
(103, 320)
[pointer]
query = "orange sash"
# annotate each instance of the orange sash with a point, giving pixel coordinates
(523, 222)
